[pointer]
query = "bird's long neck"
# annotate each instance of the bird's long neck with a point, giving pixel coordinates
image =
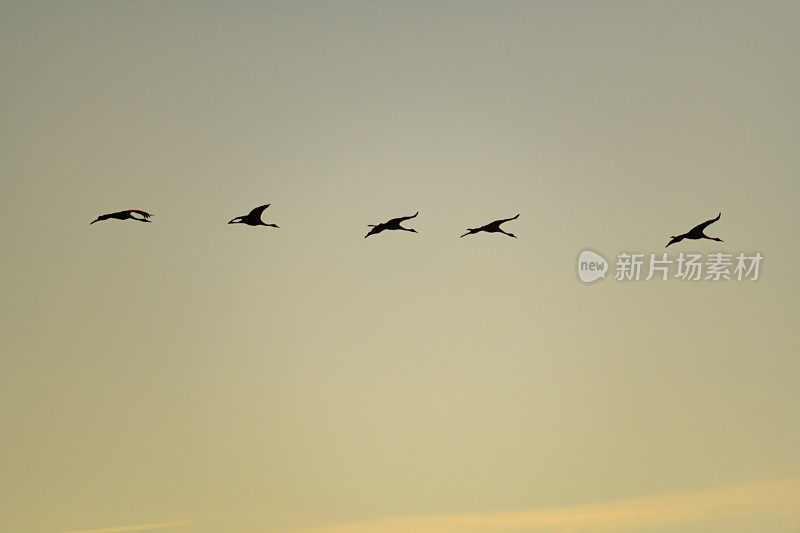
(674, 239)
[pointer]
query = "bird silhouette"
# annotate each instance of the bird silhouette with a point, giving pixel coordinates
(253, 218)
(124, 215)
(696, 232)
(492, 227)
(391, 224)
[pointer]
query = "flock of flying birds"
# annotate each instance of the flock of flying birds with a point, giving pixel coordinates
(253, 218)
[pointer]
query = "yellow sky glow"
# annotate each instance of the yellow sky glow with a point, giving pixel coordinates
(767, 499)
(238, 379)
(140, 527)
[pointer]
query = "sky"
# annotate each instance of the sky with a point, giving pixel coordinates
(190, 375)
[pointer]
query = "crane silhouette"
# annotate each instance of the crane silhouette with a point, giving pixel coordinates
(492, 227)
(696, 232)
(124, 215)
(391, 224)
(253, 218)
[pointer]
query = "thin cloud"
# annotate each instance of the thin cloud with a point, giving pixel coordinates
(140, 527)
(758, 500)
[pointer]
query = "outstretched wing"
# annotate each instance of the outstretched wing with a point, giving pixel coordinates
(495, 225)
(398, 220)
(257, 211)
(498, 222)
(701, 227)
(140, 212)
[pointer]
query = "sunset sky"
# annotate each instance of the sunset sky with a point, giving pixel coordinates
(194, 376)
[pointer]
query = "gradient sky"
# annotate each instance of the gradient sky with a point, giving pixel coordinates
(188, 375)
